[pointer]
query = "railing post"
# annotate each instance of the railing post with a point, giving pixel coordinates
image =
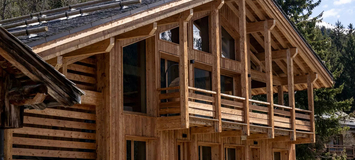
(245, 64)
(269, 75)
(310, 80)
(184, 68)
(216, 52)
(291, 90)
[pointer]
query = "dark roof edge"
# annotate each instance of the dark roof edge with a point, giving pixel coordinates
(304, 40)
(64, 90)
(97, 23)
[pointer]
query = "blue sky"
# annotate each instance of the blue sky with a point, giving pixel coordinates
(342, 10)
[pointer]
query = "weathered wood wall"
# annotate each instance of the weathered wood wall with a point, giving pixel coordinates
(60, 132)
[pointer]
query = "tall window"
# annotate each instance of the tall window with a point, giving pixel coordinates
(136, 150)
(203, 79)
(134, 77)
(204, 153)
(228, 45)
(227, 85)
(201, 34)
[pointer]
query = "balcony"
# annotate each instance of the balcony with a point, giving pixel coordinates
(340, 149)
(203, 112)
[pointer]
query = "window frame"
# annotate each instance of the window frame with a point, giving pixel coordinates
(132, 147)
(146, 77)
(236, 58)
(209, 31)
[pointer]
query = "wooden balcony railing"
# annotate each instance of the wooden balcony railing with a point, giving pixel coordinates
(169, 101)
(339, 149)
(232, 108)
(201, 103)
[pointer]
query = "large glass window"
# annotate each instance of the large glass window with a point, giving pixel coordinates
(228, 45)
(201, 34)
(204, 153)
(227, 85)
(136, 150)
(134, 77)
(203, 79)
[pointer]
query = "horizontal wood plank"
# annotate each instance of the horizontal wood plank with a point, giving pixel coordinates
(81, 68)
(58, 123)
(52, 153)
(201, 97)
(53, 143)
(63, 113)
(81, 78)
(55, 133)
(203, 106)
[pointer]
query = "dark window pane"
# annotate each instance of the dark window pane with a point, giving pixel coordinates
(170, 35)
(231, 154)
(162, 73)
(277, 156)
(179, 152)
(206, 153)
(139, 150)
(228, 45)
(134, 77)
(173, 74)
(129, 152)
(227, 85)
(203, 79)
(201, 34)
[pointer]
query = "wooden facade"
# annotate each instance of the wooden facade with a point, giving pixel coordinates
(200, 117)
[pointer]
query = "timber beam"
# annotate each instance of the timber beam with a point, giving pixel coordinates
(230, 133)
(258, 136)
(184, 70)
(278, 55)
(202, 130)
(144, 31)
(243, 48)
(210, 6)
(97, 48)
(187, 15)
(260, 26)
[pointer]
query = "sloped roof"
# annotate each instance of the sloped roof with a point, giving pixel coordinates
(62, 27)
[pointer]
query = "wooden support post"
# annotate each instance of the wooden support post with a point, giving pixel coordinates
(280, 94)
(117, 139)
(59, 63)
(8, 134)
(310, 82)
(184, 74)
(245, 64)
(216, 51)
(269, 77)
(291, 93)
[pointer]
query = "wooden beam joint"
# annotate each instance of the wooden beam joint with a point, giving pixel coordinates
(144, 31)
(260, 26)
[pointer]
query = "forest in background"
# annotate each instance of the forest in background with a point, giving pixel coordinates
(336, 47)
(15, 8)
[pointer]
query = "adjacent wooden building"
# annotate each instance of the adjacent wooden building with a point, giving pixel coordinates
(172, 79)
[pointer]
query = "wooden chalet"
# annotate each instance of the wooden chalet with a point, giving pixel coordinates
(171, 79)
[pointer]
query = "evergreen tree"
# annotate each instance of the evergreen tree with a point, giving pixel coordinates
(327, 104)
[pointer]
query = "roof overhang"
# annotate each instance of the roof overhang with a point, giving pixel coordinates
(34, 67)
